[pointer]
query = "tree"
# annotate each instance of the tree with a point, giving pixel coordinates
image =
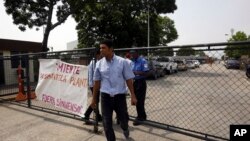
(125, 21)
(185, 51)
(38, 13)
(236, 51)
(163, 52)
(200, 53)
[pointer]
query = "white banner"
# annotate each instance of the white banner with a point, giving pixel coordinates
(63, 85)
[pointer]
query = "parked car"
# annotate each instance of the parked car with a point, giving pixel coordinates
(169, 66)
(232, 64)
(248, 70)
(190, 64)
(181, 65)
(196, 63)
(155, 69)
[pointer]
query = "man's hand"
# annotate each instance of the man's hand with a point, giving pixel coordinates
(93, 104)
(133, 100)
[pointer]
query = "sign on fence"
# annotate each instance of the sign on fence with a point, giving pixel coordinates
(63, 85)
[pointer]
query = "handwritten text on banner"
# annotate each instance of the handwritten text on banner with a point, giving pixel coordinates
(63, 85)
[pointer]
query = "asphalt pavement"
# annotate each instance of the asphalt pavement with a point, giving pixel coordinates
(18, 123)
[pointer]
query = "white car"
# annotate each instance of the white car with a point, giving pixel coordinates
(190, 64)
(169, 66)
(196, 63)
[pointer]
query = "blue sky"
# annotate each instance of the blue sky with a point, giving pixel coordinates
(197, 21)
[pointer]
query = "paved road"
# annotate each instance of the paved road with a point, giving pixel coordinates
(206, 99)
(23, 124)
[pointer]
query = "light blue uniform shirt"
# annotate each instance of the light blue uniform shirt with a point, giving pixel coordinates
(113, 75)
(140, 64)
(91, 69)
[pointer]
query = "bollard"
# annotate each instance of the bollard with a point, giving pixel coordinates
(21, 95)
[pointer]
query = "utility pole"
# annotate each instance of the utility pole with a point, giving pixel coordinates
(148, 29)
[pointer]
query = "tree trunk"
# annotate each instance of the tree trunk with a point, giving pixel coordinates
(47, 29)
(45, 40)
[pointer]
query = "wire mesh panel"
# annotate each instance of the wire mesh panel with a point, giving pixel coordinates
(205, 97)
(9, 75)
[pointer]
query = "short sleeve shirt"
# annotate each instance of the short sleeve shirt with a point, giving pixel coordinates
(113, 75)
(140, 64)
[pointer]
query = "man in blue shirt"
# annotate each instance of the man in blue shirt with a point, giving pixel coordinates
(91, 69)
(140, 69)
(111, 75)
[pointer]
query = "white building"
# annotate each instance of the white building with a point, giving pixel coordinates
(72, 45)
(9, 64)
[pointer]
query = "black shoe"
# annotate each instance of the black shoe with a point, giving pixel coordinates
(88, 122)
(126, 133)
(85, 118)
(99, 118)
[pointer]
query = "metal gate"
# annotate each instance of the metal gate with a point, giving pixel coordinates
(201, 101)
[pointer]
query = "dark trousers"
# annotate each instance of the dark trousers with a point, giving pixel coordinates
(140, 87)
(119, 105)
(90, 109)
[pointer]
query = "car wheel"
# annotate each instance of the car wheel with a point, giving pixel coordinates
(170, 71)
(176, 70)
(155, 76)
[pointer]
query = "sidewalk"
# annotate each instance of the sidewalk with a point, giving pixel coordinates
(22, 124)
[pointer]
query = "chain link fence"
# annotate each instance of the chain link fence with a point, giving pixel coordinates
(199, 99)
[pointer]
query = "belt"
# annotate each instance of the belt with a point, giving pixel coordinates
(142, 79)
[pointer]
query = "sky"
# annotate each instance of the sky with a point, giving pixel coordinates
(196, 21)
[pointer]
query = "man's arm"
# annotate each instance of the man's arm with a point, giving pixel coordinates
(96, 89)
(142, 73)
(131, 89)
(145, 69)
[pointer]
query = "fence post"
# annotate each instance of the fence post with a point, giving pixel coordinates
(26, 58)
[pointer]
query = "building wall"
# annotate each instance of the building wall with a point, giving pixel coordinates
(72, 45)
(10, 74)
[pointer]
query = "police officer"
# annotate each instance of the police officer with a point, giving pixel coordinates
(140, 69)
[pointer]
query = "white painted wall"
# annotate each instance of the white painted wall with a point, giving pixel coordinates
(72, 45)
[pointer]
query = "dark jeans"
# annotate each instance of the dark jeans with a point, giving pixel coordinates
(90, 109)
(119, 105)
(140, 87)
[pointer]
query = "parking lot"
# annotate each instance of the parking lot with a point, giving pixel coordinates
(206, 99)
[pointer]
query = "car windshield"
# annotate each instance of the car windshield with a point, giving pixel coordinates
(233, 61)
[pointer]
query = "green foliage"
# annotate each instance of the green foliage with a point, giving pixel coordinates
(236, 51)
(185, 51)
(38, 13)
(164, 52)
(200, 53)
(125, 21)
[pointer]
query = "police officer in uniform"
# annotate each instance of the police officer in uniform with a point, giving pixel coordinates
(140, 69)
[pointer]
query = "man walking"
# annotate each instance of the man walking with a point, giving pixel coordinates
(111, 74)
